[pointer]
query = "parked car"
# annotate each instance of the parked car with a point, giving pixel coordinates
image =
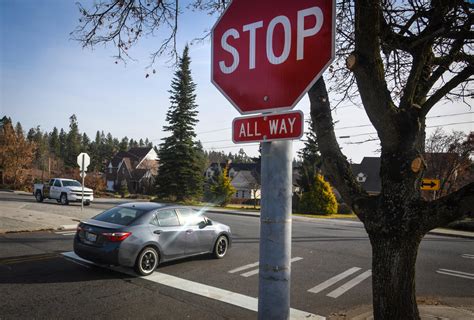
(63, 191)
(144, 234)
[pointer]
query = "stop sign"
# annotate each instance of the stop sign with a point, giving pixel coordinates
(267, 54)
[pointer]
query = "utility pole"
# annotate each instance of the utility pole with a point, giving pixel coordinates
(275, 231)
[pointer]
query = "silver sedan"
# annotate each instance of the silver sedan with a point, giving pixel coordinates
(144, 234)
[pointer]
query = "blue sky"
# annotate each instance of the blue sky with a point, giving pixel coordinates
(45, 77)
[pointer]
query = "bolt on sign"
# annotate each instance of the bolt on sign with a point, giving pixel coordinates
(266, 55)
(276, 126)
(430, 184)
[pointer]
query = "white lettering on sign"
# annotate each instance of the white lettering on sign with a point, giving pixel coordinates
(227, 47)
(252, 28)
(285, 22)
(304, 33)
(245, 130)
(277, 127)
(301, 34)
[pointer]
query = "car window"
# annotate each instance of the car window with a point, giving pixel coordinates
(57, 183)
(119, 215)
(51, 182)
(71, 183)
(190, 217)
(166, 218)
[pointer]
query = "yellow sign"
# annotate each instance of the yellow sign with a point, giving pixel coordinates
(430, 184)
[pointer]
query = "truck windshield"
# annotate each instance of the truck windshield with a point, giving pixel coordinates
(71, 183)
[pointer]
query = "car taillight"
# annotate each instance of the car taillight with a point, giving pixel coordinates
(116, 236)
(78, 229)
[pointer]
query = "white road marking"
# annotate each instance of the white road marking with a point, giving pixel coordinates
(247, 266)
(254, 272)
(350, 284)
(66, 233)
(320, 287)
(455, 273)
(222, 295)
(468, 256)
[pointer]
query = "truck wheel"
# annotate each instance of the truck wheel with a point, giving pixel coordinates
(63, 199)
(39, 196)
(87, 203)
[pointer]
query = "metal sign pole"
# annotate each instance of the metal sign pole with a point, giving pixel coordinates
(82, 168)
(275, 231)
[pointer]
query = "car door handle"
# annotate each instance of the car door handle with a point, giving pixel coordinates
(157, 232)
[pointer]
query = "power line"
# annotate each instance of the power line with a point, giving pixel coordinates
(357, 126)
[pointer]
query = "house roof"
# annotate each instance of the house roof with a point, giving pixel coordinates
(370, 168)
(140, 152)
(134, 154)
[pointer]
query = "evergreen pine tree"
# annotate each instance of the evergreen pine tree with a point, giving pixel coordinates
(180, 174)
(62, 144)
(54, 145)
(123, 146)
(73, 143)
(310, 160)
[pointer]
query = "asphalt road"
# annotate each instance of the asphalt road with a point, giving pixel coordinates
(331, 258)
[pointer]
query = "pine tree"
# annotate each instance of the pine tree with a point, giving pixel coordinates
(73, 146)
(54, 145)
(310, 160)
(62, 144)
(180, 174)
(123, 146)
(85, 143)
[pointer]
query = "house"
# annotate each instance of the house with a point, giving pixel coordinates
(245, 178)
(367, 173)
(137, 167)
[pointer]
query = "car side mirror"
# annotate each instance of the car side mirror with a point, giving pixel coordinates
(208, 222)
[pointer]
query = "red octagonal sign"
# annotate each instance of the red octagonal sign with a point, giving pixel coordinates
(267, 54)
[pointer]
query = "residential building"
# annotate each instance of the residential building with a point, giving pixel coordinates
(137, 167)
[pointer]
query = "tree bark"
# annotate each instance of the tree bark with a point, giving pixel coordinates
(393, 277)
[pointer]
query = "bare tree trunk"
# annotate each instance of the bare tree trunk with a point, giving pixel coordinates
(393, 277)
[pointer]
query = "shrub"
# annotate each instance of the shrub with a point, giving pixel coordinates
(319, 199)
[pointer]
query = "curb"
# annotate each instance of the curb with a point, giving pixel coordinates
(453, 234)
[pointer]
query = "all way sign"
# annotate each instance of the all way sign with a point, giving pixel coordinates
(277, 126)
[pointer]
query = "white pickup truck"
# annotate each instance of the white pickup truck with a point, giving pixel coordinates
(63, 191)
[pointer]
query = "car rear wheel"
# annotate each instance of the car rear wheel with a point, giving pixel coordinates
(63, 199)
(39, 196)
(147, 261)
(220, 248)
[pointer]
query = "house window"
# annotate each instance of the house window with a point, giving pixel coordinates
(243, 193)
(237, 194)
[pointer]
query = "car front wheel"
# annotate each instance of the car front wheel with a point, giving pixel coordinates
(63, 199)
(147, 261)
(220, 248)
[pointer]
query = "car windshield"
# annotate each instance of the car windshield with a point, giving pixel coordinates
(71, 183)
(119, 215)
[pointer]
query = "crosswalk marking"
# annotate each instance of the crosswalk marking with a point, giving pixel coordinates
(233, 298)
(320, 287)
(247, 266)
(455, 273)
(350, 284)
(254, 272)
(468, 256)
